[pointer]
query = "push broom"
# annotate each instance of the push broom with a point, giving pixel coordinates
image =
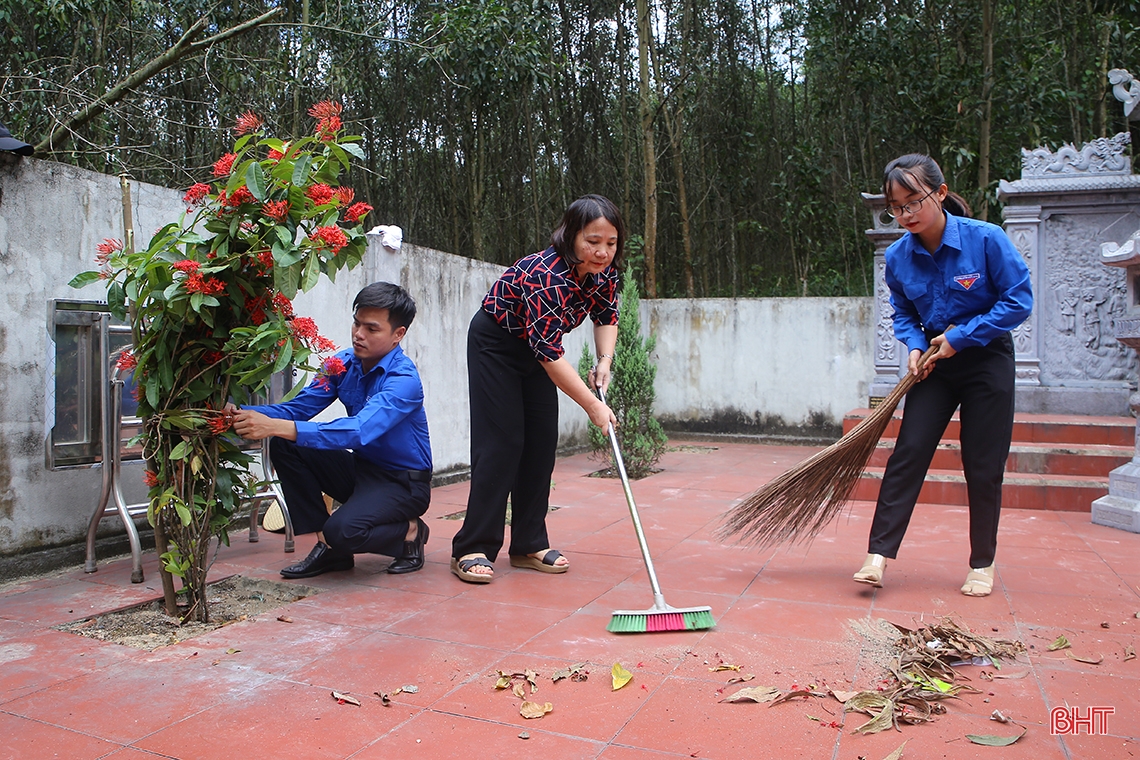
(659, 617)
(797, 505)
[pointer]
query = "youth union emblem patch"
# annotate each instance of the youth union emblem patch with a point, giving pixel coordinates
(967, 280)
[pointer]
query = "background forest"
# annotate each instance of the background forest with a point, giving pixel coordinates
(736, 135)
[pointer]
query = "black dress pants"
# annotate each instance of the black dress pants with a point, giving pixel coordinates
(514, 437)
(376, 504)
(980, 379)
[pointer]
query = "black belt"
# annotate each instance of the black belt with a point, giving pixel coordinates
(421, 476)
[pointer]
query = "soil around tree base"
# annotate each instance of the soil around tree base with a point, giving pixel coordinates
(147, 626)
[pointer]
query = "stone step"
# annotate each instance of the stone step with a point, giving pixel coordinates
(1095, 461)
(1066, 493)
(1073, 430)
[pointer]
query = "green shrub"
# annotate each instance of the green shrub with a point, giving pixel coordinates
(631, 393)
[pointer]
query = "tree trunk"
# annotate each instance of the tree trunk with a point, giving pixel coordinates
(650, 250)
(987, 109)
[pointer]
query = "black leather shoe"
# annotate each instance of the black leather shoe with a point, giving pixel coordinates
(321, 559)
(413, 558)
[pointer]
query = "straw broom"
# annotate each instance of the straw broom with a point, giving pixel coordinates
(797, 505)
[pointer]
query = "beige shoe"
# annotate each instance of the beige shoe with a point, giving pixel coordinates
(872, 570)
(980, 582)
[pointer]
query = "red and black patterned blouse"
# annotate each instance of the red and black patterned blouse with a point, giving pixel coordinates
(539, 299)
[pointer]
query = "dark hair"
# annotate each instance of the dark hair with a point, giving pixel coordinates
(916, 172)
(384, 295)
(580, 213)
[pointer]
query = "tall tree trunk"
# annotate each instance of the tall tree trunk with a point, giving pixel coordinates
(987, 109)
(644, 40)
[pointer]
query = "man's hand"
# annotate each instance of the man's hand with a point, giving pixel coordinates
(255, 426)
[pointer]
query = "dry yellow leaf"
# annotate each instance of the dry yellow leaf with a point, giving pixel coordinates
(519, 691)
(621, 676)
(534, 709)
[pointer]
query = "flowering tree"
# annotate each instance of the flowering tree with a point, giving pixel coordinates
(209, 303)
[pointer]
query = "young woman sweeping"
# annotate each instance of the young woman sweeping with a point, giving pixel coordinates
(515, 363)
(959, 285)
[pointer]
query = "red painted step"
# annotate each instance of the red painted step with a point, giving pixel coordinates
(1058, 462)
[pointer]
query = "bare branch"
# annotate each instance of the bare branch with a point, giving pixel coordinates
(62, 132)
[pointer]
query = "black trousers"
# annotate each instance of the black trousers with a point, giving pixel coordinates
(514, 437)
(981, 381)
(376, 504)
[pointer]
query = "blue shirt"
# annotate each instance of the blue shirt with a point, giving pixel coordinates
(975, 281)
(386, 423)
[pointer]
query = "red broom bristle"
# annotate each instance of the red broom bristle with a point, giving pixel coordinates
(665, 621)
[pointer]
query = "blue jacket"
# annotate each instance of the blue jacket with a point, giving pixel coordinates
(386, 423)
(975, 281)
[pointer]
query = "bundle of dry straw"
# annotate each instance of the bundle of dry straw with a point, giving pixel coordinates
(797, 505)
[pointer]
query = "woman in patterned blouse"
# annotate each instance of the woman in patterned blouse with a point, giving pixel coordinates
(515, 363)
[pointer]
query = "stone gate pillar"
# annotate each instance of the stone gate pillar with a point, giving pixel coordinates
(890, 359)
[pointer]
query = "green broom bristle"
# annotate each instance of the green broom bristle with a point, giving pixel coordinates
(695, 621)
(626, 624)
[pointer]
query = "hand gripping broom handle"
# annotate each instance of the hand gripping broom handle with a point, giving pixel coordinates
(658, 597)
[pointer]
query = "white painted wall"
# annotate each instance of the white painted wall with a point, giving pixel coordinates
(745, 365)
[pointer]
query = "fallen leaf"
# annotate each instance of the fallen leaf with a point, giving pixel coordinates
(345, 698)
(719, 668)
(996, 715)
(989, 740)
(897, 754)
(621, 676)
(285, 618)
(843, 696)
(754, 694)
(534, 709)
(575, 672)
(790, 696)
(1059, 643)
(530, 677)
(1104, 624)
(881, 722)
(1013, 675)
(384, 698)
(739, 679)
(519, 691)
(231, 650)
(503, 682)
(1087, 660)
(1129, 653)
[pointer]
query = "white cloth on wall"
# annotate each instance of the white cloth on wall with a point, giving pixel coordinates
(391, 236)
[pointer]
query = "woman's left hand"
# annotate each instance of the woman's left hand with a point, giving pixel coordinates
(600, 376)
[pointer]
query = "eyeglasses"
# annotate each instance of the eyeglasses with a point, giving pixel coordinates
(911, 208)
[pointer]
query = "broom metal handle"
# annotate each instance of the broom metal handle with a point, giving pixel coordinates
(658, 597)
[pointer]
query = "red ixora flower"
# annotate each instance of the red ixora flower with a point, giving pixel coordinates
(344, 195)
(276, 210)
(248, 122)
(223, 165)
(356, 212)
(325, 109)
(150, 479)
(196, 194)
(213, 357)
(283, 305)
(304, 328)
(240, 196)
(265, 258)
(331, 236)
(220, 423)
(186, 265)
(320, 194)
(126, 361)
(327, 128)
(255, 307)
(196, 283)
(323, 345)
(106, 249)
(333, 366)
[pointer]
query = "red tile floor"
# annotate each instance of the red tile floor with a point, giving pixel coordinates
(262, 688)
